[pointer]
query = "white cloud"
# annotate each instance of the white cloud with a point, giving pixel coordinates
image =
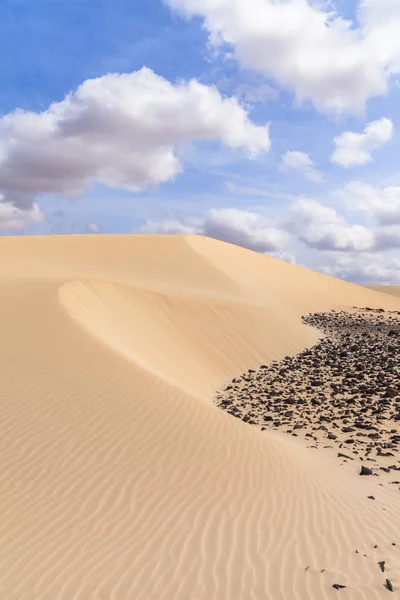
(321, 228)
(306, 211)
(239, 227)
(93, 228)
(335, 63)
(356, 148)
(301, 162)
(121, 130)
(382, 203)
(365, 269)
(337, 236)
(13, 218)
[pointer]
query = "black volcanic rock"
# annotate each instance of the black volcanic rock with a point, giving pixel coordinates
(348, 383)
(365, 471)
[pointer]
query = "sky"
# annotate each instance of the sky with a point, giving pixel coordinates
(272, 124)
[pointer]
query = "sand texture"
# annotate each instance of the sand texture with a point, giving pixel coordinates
(121, 479)
(386, 289)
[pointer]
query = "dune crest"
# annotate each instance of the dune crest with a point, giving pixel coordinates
(119, 478)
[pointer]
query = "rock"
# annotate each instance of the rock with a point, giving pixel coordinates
(382, 565)
(389, 585)
(365, 470)
(340, 455)
(338, 586)
(348, 381)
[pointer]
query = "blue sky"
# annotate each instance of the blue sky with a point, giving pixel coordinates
(51, 47)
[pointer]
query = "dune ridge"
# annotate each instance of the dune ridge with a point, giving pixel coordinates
(119, 477)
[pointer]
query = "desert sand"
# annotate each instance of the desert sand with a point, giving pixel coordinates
(120, 478)
(386, 289)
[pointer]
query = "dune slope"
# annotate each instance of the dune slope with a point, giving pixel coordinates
(386, 289)
(119, 478)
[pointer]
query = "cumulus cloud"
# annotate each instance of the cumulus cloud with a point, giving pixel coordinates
(301, 162)
(13, 218)
(321, 228)
(364, 269)
(356, 148)
(246, 229)
(121, 130)
(335, 63)
(338, 236)
(382, 203)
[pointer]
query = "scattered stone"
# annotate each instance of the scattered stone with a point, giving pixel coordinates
(389, 585)
(338, 586)
(382, 565)
(349, 383)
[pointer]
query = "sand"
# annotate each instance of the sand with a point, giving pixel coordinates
(386, 289)
(120, 479)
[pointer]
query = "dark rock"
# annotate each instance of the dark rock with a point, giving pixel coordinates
(365, 470)
(348, 381)
(389, 585)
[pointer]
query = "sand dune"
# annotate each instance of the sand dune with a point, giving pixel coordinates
(120, 479)
(386, 289)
